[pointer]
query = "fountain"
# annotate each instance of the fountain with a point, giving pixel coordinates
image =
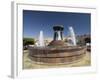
(40, 42)
(57, 51)
(72, 35)
(41, 39)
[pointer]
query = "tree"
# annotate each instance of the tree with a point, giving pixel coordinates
(66, 40)
(87, 40)
(28, 41)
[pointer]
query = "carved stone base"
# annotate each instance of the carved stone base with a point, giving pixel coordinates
(56, 55)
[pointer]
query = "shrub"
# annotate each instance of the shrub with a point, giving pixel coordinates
(28, 41)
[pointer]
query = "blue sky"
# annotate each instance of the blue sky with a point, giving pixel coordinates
(34, 21)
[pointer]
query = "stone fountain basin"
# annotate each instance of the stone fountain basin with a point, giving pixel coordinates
(56, 54)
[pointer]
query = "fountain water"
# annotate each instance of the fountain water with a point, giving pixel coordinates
(41, 39)
(72, 34)
(59, 37)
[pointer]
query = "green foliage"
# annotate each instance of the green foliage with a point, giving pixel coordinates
(87, 40)
(80, 42)
(66, 40)
(28, 41)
